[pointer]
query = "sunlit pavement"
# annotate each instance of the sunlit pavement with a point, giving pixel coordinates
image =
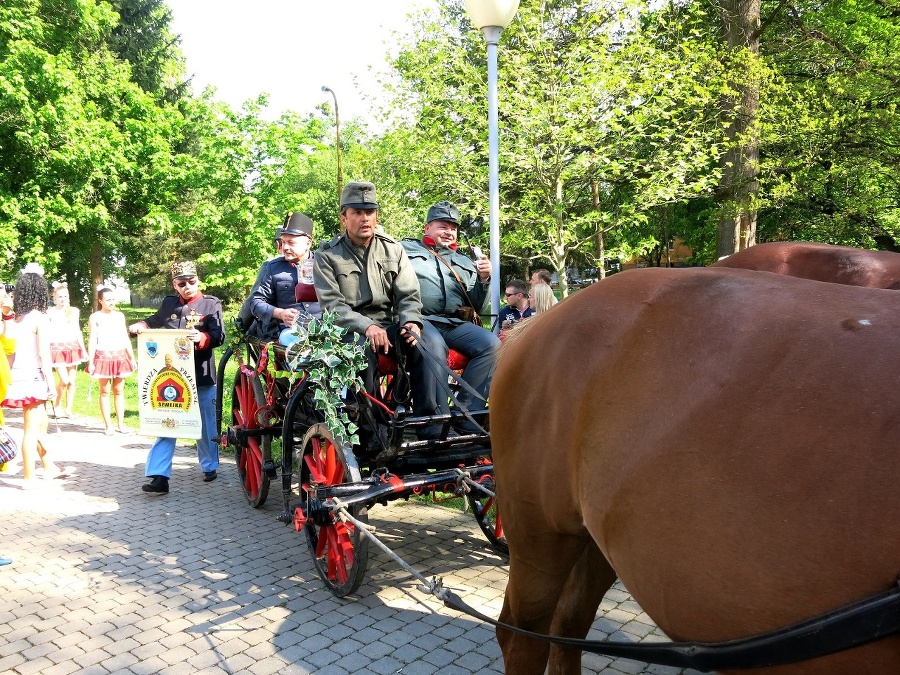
(106, 579)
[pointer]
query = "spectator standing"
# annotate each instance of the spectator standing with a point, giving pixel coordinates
(541, 298)
(517, 304)
(453, 288)
(31, 374)
(202, 316)
(284, 285)
(67, 348)
(7, 348)
(542, 276)
(110, 358)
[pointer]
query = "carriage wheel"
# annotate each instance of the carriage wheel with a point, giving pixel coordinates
(246, 403)
(487, 515)
(339, 550)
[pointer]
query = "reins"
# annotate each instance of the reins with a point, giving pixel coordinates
(865, 621)
(853, 625)
(431, 359)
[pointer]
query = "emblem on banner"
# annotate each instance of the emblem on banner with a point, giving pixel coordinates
(169, 390)
(152, 349)
(183, 348)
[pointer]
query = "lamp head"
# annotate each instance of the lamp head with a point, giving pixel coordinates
(492, 12)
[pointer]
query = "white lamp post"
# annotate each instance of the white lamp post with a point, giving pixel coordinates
(492, 16)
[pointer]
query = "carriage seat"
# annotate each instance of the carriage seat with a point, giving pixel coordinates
(387, 365)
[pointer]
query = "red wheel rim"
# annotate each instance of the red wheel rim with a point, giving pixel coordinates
(250, 462)
(335, 544)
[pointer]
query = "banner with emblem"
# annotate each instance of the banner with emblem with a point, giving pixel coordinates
(167, 390)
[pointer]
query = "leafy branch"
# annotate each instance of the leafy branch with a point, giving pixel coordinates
(332, 366)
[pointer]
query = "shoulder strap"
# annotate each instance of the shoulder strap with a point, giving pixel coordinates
(458, 280)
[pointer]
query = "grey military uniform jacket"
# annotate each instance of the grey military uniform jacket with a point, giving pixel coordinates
(365, 286)
(441, 292)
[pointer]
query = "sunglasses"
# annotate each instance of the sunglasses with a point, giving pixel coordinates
(190, 282)
(509, 294)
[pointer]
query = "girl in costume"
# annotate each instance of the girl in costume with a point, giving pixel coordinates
(66, 347)
(31, 374)
(110, 357)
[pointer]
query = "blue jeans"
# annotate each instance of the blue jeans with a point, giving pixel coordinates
(479, 344)
(159, 460)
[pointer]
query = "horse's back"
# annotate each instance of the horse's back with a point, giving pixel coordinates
(820, 262)
(727, 439)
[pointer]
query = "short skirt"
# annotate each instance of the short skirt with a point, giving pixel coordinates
(111, 364)
(20, 394)
(65, 354)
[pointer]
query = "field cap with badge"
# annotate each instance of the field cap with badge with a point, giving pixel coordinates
(444, 211)
(359, 196)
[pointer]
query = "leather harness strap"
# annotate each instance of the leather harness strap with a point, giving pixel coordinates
(867, 620)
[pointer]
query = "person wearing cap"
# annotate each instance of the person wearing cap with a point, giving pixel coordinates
(453, 286)
(202, 316)
(283, 289)
(365, 278)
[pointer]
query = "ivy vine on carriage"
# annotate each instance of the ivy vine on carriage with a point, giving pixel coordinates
(332, 366)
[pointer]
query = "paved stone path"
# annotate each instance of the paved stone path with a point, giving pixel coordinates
(106, 579)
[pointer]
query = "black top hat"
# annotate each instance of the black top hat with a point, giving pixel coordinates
(359, 196)
(443, 211)
(296, 223)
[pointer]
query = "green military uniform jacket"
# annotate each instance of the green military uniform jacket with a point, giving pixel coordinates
(441, 292)
(365, 286)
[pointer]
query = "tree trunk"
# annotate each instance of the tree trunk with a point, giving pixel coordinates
(736, 193)
(601, 239)
(558, 248)
(96, 273)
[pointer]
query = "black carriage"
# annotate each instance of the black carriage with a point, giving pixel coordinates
(273, 404)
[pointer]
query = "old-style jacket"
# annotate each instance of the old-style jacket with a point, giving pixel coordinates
(365, 286)
(441, 292)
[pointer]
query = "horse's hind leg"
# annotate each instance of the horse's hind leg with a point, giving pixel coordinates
(588, 582)
(538, 569)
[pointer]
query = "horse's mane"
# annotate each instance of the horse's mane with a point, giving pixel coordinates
(515, 333)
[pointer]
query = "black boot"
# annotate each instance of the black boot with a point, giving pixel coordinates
(158, 485)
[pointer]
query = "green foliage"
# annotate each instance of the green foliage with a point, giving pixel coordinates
(589, 105)
(331, 365)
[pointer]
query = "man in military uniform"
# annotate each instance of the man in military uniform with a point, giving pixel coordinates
(365, 278)
(202, 315)
(453, 286)
(274, 301)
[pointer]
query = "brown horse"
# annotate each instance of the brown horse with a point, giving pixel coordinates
(821, 262)
(725, 442)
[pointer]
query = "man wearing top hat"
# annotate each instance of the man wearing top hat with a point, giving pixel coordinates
(202, 315)
(365, 278)
(452, 288)
(283, 288)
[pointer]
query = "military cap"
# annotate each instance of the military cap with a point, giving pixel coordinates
(359, 196)
(443, 211)
(296, 223)
(184, 270)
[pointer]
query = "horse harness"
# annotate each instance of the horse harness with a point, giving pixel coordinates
(864, 621)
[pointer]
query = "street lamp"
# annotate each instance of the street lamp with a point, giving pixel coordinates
(492, 16)
(337, 127)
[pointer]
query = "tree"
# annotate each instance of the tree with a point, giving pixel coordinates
(831, 131)
(83, 149)
(601, 123)
(739, 185)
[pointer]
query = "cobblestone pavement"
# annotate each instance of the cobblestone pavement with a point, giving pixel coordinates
(106, 579)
